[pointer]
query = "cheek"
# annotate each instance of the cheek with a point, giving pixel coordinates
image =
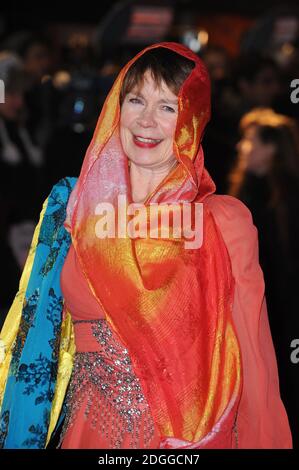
(122, 121)
(124, 125)
(257, 156)
(124, 138)
(127, 116)
(169, 126)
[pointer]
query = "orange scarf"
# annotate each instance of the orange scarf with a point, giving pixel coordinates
(171, 306)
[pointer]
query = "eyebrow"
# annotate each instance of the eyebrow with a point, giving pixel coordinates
(160, 101)
(169, 101)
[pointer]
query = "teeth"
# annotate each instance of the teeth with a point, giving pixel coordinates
(148, 141)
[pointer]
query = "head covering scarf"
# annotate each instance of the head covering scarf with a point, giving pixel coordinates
(171, 306)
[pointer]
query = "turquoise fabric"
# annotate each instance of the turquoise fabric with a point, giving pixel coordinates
(29, 392)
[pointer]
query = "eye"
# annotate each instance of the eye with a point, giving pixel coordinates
(169, 109)
(135, 100)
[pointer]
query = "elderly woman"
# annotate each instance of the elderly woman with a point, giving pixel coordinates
(143, 341)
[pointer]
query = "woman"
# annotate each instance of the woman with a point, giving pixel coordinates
(172, 344)
(266, 179)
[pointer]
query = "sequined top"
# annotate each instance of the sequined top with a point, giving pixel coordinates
(105, 405)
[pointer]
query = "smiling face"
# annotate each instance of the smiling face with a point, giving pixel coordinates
(147, 124)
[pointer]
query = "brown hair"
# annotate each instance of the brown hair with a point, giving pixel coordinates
(280, 130)
(283, 175)
(164, 65)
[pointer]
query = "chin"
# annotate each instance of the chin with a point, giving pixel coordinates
(143, 159)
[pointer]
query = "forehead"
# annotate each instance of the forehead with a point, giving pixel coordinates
(149, 85)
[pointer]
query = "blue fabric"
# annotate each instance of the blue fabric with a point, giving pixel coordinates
(32, 376)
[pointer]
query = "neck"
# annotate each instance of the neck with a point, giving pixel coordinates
(145, 180)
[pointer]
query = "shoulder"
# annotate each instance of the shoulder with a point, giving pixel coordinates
(60, 192)
(234, 221)
(231, 214)
(53, 213)
(228, 208)
(64, 186)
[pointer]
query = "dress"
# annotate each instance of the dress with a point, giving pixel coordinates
(106, 408)
(194, 321)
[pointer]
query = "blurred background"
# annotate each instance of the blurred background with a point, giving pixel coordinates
(58, 66)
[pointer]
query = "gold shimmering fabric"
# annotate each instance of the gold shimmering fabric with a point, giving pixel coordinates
(171, 306)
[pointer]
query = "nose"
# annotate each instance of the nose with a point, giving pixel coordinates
(147, 118)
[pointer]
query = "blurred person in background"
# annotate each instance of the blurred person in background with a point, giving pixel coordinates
(220, 132)
(14, 246)
(251, 80)
(218, 64)
(276, 34)
(266, 179)
(35, 51)
(20, 164)
(77, 93)
(257, 83)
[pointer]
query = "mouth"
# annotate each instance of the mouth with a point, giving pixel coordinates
(146, 142)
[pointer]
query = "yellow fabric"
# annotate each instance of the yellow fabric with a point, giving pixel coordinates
(11, 325)
(10, 329)
(65, 364)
